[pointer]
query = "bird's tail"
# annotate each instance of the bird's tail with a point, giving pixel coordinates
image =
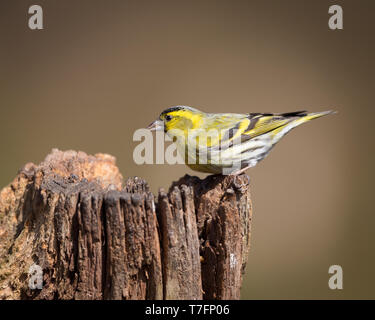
(315, 115)
(300, 119)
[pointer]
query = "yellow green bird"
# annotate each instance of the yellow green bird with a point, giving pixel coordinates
(226, 143)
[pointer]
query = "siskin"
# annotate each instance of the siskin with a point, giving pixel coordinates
(226, 143)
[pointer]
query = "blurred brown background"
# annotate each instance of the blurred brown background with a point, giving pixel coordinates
(102, 69)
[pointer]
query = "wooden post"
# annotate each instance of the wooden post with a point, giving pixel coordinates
(95, 237)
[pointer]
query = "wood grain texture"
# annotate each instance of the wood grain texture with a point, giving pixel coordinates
(223, 210)
(97, 237)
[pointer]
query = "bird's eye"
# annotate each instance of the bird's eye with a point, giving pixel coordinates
(168, 118)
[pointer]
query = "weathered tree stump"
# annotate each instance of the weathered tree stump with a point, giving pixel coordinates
(94, 237)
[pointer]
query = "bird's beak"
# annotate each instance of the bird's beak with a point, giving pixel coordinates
(157, 125)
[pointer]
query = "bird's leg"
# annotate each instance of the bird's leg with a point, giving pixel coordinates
(238, 172)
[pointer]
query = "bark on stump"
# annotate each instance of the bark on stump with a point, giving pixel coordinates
(95, 237)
